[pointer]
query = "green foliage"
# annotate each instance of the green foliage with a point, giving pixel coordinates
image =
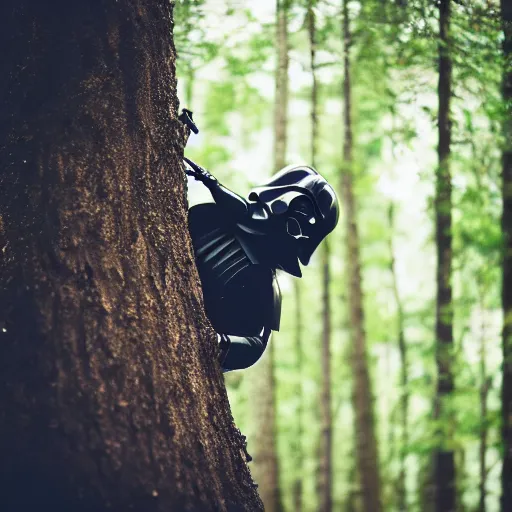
(394, 77)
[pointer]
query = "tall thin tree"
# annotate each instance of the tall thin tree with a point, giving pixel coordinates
(261, 384)
(404, 368)
(444, 461)
(325, 462)
(299, 452)
(506, 294)
(111, 395)
(366, 442)
(262, 381)
(485, 386)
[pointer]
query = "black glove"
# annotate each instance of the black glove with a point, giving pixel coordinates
(186, 118)
(200, 174)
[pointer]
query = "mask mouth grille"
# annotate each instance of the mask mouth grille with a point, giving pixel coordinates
(294, 229)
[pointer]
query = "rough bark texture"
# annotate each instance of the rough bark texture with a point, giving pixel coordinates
(366, 442)
(506, 222)
(444, 468)
(404, 373)
(111, 397)
(325, 448)
(262, 383)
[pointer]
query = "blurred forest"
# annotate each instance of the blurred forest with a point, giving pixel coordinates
(386, 387)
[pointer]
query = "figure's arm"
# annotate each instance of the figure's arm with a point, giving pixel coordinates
(225, 198)
(237, 352)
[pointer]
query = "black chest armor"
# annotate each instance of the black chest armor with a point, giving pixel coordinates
(241, 295)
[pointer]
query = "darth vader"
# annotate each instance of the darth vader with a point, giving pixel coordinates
(240, 243)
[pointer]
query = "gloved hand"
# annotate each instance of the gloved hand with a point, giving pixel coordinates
(199, 173)
(186, 118)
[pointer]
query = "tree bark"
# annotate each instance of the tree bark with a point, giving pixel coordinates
(444, 469)
(506, 294)
(325, 453)
(262, 382)
(366, 442)
(404, 372)
(111, 397)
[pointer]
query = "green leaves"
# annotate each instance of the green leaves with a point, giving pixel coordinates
(394, 112)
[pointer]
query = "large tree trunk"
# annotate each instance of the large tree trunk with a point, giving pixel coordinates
(506, 223)
(444, 469)
(111, 397)
(325, 454)
(366, 442)
(262, 378)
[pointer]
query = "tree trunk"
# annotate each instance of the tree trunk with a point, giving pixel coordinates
(325, 399)
(506, 223)
(325, 453)
(262, 382)
(444, 469)
(404, 372)
(263, 418)
(299, 468)
(281, 86)
(484, 392)
(111, 397)
(311, 23)
(366, 442)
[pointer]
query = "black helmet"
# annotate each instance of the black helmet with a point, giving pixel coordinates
(306, 202)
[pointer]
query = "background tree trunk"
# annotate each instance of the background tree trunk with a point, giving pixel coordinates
(485, 386)
(366, 442)
(444, 468)
(261, 386)
(404, 371)
(325, 454)
(111, 397)
(262, 378)
(299, 453)
(281, 86)
(506, 223)
(325, 399)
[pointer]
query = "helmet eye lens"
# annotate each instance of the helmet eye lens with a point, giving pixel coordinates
(303, 206)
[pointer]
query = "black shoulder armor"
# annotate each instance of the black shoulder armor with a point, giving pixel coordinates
(241, 295)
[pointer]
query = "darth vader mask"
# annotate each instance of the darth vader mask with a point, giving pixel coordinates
(306, 206)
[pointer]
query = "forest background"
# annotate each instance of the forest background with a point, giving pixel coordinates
(385, 381)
